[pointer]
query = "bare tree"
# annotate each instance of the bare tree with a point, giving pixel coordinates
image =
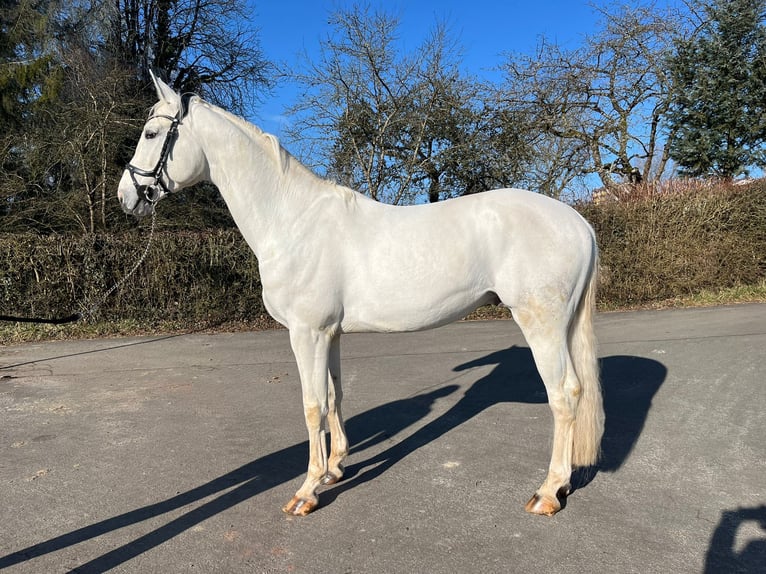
(599, 108)
(204, 46)
(401, 128)
(80, 123)
(96, 114)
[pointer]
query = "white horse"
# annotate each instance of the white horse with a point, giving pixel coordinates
(333, 261)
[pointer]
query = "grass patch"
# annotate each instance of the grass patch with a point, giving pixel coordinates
(712, 297)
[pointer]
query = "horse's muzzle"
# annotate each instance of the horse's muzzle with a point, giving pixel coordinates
(136, 198)
(135, 204)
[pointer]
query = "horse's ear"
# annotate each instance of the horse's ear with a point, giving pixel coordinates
(164, 92)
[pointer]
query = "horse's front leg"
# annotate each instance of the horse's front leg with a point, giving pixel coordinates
(338, 440)
(311, 348)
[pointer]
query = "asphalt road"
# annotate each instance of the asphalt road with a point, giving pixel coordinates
(175, 454)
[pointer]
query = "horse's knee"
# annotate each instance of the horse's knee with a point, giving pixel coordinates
(315, 416)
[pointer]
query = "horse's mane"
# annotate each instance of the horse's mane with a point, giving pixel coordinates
(288, 164)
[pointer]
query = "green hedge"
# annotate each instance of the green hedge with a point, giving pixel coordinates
(652, 249)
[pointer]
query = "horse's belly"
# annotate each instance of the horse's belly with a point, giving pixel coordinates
(396, 313)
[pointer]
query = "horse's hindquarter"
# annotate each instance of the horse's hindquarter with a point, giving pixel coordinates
(423, 266)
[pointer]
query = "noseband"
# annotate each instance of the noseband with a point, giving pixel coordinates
(151, 193)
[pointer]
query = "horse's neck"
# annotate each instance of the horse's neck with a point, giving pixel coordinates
(250, 170)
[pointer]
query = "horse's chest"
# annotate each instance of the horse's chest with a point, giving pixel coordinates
(293, 289)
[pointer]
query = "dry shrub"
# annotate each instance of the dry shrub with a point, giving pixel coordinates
(190, 278)
(679, 239)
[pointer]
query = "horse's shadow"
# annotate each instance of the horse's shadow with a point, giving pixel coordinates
(725, 555)
(629, 383)
(628, 386)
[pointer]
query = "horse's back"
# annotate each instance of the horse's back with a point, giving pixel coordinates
(488, 227)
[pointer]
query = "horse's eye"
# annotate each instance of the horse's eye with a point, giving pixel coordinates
(150, 135)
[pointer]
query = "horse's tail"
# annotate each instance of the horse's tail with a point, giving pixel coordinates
(589, 419)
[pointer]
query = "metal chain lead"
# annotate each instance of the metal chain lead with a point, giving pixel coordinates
(90, 310)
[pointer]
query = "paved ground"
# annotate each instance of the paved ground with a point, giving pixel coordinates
(175, 454)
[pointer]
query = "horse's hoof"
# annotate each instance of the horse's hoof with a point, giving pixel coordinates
(543, 505)
(331, 478)
(300, 506)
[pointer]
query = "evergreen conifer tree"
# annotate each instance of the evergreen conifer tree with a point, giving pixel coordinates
(719, 102)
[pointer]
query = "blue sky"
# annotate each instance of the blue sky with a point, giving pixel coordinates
(484, 28)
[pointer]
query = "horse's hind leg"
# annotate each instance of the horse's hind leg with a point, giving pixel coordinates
(338, 440)
(547, 338)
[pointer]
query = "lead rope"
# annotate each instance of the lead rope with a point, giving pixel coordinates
(89, 308)
(89, 311)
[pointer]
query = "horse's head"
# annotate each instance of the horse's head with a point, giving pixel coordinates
(167, 157)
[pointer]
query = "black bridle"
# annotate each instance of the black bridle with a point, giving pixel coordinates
(151, 193)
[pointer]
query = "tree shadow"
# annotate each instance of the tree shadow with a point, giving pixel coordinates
(723, 554)
(629, 384)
